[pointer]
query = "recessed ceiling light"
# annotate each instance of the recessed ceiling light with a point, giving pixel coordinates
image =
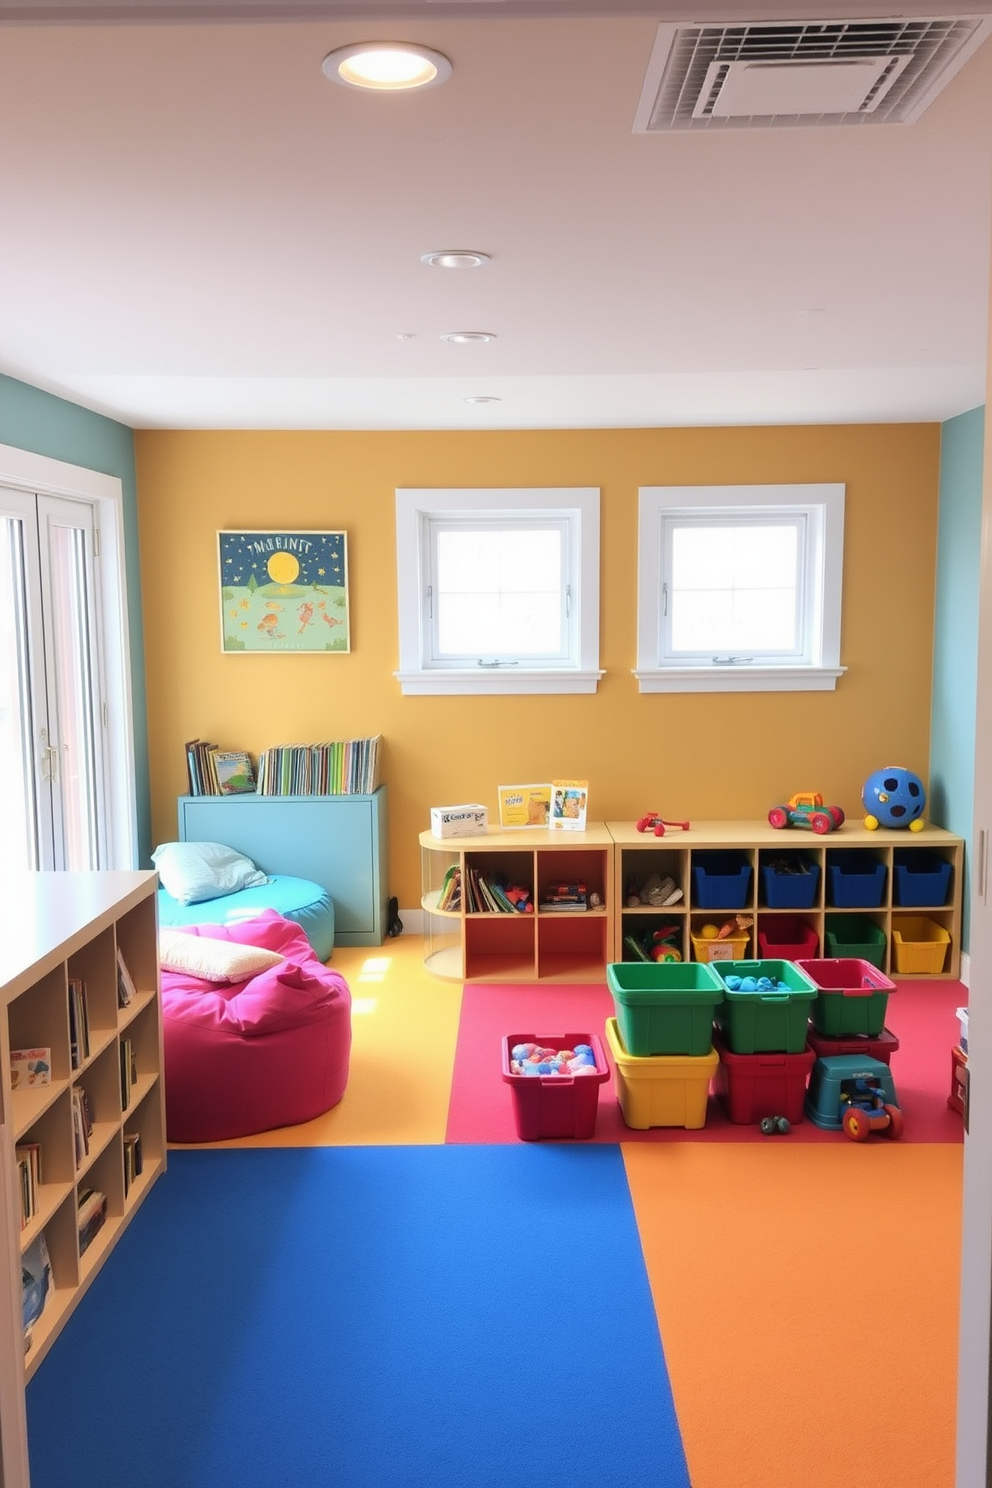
(386, 65)
(455, 258)
(486, 399)
(460, 336)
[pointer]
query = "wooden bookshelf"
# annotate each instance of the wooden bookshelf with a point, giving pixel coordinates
(59, 926)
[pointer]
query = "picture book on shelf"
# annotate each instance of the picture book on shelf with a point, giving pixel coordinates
(524, 805)
(569, 799)
(234, 771)
(30, 1067)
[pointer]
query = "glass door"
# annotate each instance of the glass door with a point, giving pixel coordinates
(52, 739)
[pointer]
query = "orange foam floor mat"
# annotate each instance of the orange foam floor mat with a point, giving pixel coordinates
(808, 1303)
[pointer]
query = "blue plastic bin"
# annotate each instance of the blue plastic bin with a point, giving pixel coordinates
(720, 881)
(790, 890)
(855, 882)
(921, 878)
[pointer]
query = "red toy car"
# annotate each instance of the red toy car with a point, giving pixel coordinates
(806, 809)
(657, 824)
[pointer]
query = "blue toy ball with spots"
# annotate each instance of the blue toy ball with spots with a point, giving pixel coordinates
(894, 797)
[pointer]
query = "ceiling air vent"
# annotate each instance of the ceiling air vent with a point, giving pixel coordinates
(777, 75)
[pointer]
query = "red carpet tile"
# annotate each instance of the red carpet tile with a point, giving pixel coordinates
(481, 1109)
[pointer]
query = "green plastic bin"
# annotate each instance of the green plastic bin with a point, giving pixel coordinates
(765, 1022)
(852, 996)
(664, 1007)
(855, 936)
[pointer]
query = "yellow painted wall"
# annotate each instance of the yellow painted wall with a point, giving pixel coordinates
(687, 756)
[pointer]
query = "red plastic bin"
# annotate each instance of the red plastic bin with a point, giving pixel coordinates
(876, 1046)
(786, 938)
(752, 1086)
(555, 1106)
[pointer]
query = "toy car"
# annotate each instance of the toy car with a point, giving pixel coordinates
(656, 824)
(864, 1111)
(806, 809)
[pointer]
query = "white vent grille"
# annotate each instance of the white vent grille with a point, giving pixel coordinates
(788, 73)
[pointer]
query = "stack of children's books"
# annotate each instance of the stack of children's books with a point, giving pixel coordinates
(564, 896)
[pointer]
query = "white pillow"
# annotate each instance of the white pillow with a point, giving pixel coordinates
(194, 871)
(213, 960)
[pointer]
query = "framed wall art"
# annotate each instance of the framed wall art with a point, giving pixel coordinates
(284, 591)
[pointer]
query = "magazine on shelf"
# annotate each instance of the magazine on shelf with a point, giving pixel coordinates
(126, 990)
(36, 1279)
(569, 800)
(524, 805)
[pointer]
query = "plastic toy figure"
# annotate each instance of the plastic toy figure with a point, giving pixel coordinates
(894, 797)
(657, 824)
(806, 809)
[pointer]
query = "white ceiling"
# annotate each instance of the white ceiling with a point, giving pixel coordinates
(197, 229)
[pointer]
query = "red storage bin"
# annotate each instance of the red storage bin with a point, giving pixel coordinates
(786, 938)
(876, 1046)
(555, 1105)
(752, 1086)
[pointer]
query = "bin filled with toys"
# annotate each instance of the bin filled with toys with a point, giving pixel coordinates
(766, 1006)
(554, 1082)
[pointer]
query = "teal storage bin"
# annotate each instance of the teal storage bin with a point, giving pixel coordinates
(765, 1022)
(664, 1007)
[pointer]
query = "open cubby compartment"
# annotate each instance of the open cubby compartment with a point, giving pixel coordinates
(789, 878)
(505, 868)
(500, 948)
(572, 947)
(587, 865)
(643, 924)
(142, 1030)
(105, 1174)
(856, 878)
(736, 945)
(145, 1120)
(39, 1019)
(63, 1253)
(723, 878)
(435, 866)
(137, 943)
(101, 1081)
(922, 878)
(53, 1132)
(639, 864)
(96, 967)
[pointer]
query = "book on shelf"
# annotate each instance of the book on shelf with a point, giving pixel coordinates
(126, 990)
(36, 1280)
(28, 1156)
(30, 1067)
(91, 1214)
(82, 1122)
(132, 1158)
(233, 772)
(450, 893)
(523, 806)
(79, 1023)
(340, 767)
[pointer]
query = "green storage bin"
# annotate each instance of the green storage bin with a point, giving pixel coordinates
(665, 1007)
(855, 936)
(765, 1022)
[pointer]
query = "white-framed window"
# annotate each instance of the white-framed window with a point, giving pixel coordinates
(498, 590)
(739, 588)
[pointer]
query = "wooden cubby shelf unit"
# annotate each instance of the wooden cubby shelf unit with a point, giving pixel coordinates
(485, 946)
(868, 862)
(61, 926)
(615, 860)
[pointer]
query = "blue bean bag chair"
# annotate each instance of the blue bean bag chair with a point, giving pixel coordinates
(206, 883)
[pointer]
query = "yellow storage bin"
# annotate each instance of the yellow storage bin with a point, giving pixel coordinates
(919, 944)
(730, 948)
(661, 1089)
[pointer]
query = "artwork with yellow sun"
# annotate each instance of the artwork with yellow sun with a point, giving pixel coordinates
(284, 591)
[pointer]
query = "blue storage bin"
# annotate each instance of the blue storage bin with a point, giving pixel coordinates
(854, 880)
(790, 890)
(720, 881)
(921, 878)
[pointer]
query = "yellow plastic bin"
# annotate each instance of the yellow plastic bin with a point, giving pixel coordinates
(661, 1089)
(730, 948)
(919, 944)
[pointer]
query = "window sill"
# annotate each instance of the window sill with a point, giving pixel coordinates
(738, 679)
(498, 684)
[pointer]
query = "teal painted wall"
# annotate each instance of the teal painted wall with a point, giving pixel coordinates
(45, 425)
(955, 670)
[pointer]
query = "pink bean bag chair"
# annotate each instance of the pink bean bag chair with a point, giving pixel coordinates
(265, 1048)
